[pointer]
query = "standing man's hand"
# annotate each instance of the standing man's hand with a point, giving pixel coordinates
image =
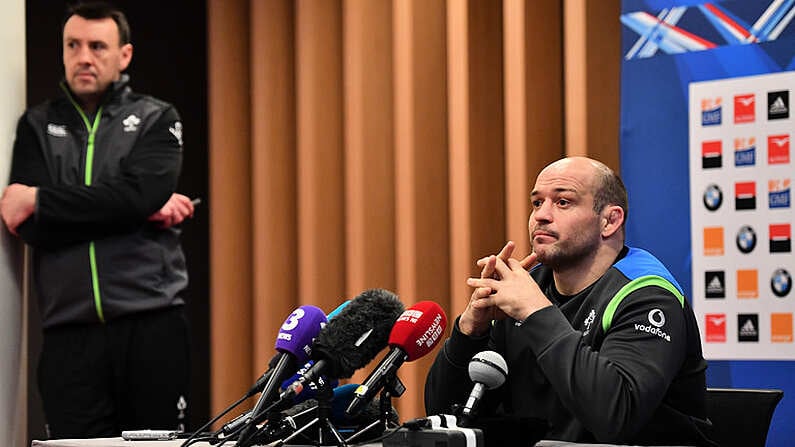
(17, 204)
(177, 209)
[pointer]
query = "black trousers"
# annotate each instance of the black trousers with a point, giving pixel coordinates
(130, 373)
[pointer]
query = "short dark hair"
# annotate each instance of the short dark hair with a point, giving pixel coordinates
(610, 190)
(94, 10)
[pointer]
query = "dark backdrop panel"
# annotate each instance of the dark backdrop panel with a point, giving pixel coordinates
(169, 62)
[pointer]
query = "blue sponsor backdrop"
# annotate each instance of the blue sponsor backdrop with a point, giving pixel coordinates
(654, 143)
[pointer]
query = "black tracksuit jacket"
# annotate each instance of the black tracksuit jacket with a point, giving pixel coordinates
(619, 362)
(95, 256)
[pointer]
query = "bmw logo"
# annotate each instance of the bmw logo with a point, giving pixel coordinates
(713, 197)
(746, 239)
(781, 283)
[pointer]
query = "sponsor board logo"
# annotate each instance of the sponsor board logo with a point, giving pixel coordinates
(713, 197)
(715, 284)
(745, 195)
(781, 327)
(747, 283)
(744, 151)
(778, 193)
(748, 328)
(713, 241)
(715, 325)
(780, 283)
(778, 105)
(711, 111)
(746, 239)
(780, 238)
(744, 108)
(711, 154)
(777, 149)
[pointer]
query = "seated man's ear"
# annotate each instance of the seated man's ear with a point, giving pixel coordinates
(612, 219)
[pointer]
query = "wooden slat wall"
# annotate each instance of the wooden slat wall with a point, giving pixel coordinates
(385, 143)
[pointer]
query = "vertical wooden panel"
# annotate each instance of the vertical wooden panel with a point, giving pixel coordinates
(369, 145)
(421, 163)
(592, 60)
(603, 58)
(575, 76)
(369, 153)
(230, 197)
(477, 188)
(533, 104)
(321, 173)
(273, 163)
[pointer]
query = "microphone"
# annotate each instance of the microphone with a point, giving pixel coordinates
(337, 311)
(309, 392)
(294, 343)
(260, 383)
(488, 370)
(351, 339)
(416, 333)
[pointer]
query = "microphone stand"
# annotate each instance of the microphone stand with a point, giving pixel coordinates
(322, 420)
(392, 387)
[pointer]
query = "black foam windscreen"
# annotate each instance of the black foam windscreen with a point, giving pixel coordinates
(356, 335)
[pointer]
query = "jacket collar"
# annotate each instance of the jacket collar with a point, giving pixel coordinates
(111, 100)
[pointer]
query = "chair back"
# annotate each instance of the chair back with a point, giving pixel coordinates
(741, 417)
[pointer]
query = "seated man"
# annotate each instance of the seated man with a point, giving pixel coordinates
(599, 340)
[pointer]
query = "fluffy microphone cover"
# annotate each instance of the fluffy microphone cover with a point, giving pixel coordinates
(360, 331)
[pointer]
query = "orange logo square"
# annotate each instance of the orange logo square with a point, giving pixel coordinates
(747, 284)
(781, 328)
(713, 241)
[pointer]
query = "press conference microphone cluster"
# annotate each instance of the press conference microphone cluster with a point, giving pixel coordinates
(235, 425)
(353, 338)
(415, 333)
(346, 343)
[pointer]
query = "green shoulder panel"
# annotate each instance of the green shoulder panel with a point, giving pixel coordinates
(638, 283)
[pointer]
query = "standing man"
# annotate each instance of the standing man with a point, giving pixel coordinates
(599, 340)
(92, 192)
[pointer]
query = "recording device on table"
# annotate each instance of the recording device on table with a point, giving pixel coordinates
(346, 343)
(488, 370)
(149, 435)
(464, 428)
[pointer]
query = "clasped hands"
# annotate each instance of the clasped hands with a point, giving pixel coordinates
(504, 289)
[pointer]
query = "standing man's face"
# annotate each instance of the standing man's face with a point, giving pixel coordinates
(92, 56)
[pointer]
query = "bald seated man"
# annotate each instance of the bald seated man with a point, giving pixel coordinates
(599, 340)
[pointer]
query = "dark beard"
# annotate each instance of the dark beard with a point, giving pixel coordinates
(567, 256)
